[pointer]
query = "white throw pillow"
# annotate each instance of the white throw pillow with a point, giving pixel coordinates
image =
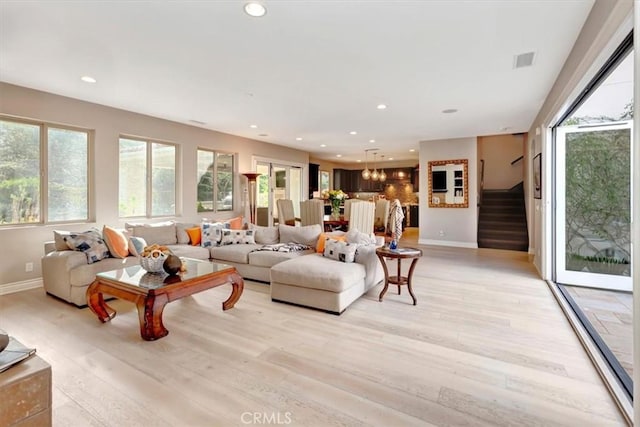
(238, 237)
(340, 251)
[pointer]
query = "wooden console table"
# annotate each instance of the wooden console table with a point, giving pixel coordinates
(399, 279)
(152, 291)
(25, 394)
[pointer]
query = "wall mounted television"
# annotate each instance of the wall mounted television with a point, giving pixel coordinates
(439, 181)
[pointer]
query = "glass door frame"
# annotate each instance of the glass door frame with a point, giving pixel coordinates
(287, 165)
(562, 275)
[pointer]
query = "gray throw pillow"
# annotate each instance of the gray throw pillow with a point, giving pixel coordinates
(307, 235)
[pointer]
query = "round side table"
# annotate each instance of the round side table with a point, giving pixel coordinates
(399, 280)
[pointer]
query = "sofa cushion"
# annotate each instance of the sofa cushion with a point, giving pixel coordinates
(232, 253)
(86, 274)
(238, 237)
(164, 234)
(271, 258)
(265, 235)
(317, 272)
(340, 251)
(182, 235)
(89, 242)
(117, 241)
(189, 251)
(307, 235)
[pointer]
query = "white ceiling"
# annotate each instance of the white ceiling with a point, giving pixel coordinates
(309, 69)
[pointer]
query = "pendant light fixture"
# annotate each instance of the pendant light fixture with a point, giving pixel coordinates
(366, 173)
(374, 175)
(383, 176)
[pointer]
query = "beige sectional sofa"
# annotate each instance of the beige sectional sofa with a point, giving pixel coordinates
(301, 277)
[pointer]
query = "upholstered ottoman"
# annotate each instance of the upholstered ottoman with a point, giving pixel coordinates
(318, 282)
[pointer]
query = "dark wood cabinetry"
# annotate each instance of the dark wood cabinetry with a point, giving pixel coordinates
(351, 180)
(314, 179)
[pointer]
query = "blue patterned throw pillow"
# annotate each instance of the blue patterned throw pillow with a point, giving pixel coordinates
(91, 243)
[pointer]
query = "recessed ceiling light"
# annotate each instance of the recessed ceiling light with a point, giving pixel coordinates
(390, 158)
(298, 139)
(323, 145)
(88, 79)
(412, 150)
(372, 141)
(353, 132)
(338, 155)
(255, 9)
(381, 107)
(358, 161)
(253, 126)
(450, 111)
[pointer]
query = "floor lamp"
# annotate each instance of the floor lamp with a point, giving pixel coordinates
(251, 177)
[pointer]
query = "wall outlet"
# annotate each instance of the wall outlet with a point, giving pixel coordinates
(28, 267)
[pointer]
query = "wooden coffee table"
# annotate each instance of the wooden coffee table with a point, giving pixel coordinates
(152, 291)
(399, 279)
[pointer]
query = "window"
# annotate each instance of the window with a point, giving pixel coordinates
(61, 192)
(324, 181)
(215, 181)
(147, 178)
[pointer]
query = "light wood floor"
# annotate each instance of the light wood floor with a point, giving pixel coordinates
(487, 345)
(611, 314)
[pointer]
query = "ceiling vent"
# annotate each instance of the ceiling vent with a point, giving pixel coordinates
(197, 122)
(523, 60)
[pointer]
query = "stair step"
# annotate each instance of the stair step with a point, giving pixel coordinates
(503, 244)
(504, 234)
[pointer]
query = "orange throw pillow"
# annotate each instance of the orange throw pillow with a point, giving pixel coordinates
(322, 239)
(116, 241)
(194, 235)
(235, 223)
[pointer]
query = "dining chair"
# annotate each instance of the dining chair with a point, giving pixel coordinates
(286, 214)
(347, 206)
(312, 212)
(361, 217)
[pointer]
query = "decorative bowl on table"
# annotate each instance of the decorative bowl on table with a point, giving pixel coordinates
(154, 262)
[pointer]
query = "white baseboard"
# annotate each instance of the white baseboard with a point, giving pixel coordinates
(25, 285)
(473, 245)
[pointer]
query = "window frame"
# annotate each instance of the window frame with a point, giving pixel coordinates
(149, 177)
(43, 193)
(234, 157)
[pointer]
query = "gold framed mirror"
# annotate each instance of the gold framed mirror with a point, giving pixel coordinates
(448, 183)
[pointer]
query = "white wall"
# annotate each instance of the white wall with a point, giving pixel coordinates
(449, 226)
(498, 151)
(602, 32)
(25, 244)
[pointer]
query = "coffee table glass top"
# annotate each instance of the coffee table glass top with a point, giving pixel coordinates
(135, 275)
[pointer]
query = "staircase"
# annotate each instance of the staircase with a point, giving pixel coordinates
(502, 223)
